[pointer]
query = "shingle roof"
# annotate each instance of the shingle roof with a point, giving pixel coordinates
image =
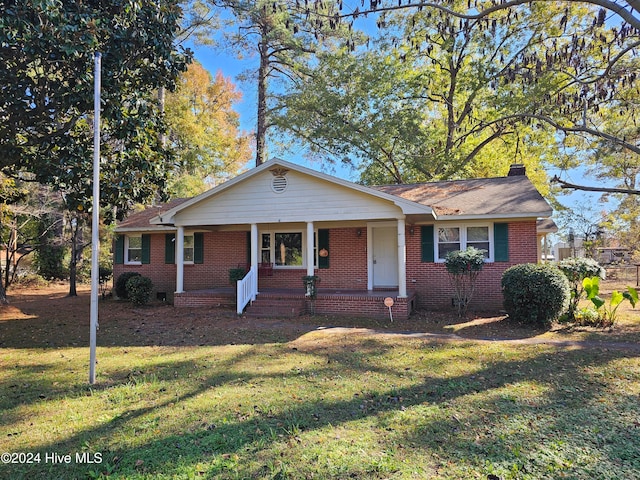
(140, 220)
(508, 196)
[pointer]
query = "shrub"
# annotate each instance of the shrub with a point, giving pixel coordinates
(139, 289)
(535, 293)
(576, 269)
(121, 284)
(463, 268)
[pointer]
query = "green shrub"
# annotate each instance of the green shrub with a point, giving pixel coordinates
(576, 269)
(121, 284)
(139, 289)
(463, 267)
(535, 293)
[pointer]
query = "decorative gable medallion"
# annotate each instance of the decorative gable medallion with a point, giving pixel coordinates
(279, 181)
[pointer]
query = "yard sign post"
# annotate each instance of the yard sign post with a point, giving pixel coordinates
(95, 246)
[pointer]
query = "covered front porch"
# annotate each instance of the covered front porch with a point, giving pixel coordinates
(344, 302)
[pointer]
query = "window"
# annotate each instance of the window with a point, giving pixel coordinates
(189, 248)
(283, 249)
(460, 237)
(288, 249)
(448, 241)
(133, 249)
(478, 237)
(265, 248)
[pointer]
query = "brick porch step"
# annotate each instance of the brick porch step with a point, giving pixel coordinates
(276, 307)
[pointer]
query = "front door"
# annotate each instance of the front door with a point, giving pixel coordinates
(385, 257)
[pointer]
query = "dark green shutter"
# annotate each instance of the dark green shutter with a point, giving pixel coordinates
(323, 242)
(146, 248)
(501, 242)
(119, 249)
(170, 248)
(198, 248)
(426, 243)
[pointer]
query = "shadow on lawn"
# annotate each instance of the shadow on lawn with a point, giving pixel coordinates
(504, 432)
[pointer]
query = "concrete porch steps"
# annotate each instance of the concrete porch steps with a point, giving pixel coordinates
(265, 307)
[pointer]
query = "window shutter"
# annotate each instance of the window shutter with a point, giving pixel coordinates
(198, 248)
(501, 242)
(170, 248)
(426, 243)
(119, 249)
(146, 248)
(323, 242)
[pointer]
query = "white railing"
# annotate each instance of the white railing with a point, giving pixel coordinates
(247, 289)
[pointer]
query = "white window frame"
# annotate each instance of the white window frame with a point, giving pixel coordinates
(272, 248)
(463, 238)
(193, 247)
(126, 250)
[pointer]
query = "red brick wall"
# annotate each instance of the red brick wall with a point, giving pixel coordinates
(431, 281)
(162, 275)
(347, 267)
(347, 264)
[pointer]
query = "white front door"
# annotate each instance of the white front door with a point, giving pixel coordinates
(385, 257)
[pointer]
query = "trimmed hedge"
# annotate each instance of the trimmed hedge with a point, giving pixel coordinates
(535, 293)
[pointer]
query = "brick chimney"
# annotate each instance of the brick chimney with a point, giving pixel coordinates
(517, 169)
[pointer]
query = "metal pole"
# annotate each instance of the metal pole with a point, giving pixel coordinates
(95, 239)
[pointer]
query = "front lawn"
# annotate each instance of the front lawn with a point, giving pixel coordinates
(181, 394)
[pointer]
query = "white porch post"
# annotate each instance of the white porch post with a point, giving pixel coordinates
(402, 260)
(310, 259)
(180, 260)
(254, 253)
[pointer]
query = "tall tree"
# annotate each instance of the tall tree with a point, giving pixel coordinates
(284, 38)
(435, 100)
(601, 56)
(204, 131)
(46, 101)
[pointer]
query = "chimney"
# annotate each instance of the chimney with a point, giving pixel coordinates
(517, 169)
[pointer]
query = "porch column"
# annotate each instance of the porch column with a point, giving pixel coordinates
(180, 260)
(254, 253)
(402, 260)
(310, 259)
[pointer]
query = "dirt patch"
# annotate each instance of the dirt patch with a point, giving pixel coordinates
(41, 317)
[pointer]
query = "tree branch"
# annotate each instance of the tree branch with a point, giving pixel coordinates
(573, 186)
(618, 9)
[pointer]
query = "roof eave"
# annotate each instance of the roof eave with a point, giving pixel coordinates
(499, 216)
(152, 229)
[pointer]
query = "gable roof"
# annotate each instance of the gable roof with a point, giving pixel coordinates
(407, 207)
(501, 197)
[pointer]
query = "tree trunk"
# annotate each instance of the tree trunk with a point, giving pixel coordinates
(261, 128)
(73, 265)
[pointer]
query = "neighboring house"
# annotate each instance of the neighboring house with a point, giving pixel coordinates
(282, 222)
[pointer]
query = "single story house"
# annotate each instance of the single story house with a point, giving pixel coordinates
(282, 222)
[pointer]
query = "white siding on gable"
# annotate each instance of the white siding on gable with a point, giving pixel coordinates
(305, 199)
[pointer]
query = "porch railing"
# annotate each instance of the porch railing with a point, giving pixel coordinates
(247, 289)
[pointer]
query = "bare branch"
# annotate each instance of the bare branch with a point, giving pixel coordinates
(573, 186)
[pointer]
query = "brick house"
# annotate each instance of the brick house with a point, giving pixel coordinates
(281, 222)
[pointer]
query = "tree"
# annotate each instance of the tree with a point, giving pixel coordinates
(599, 58)
(204, 131)
(434, 101)
(282, 35)
(46, 103)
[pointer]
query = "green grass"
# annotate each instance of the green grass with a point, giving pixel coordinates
(325, 406)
